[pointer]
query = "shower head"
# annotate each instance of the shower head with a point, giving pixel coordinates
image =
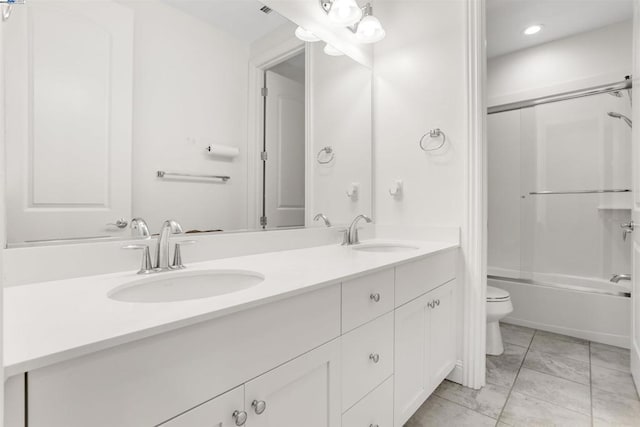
(620, 116)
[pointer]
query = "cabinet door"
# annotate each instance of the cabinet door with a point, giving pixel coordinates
(442, 333)
(411, 379)
(223, 411)
(302, 392)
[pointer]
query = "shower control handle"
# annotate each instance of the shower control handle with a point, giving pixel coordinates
(627, 229)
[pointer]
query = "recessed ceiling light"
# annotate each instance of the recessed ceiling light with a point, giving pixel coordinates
(533, 29)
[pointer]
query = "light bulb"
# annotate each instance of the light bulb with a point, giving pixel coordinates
(370, 30)
(306, 35)
(344, 13)
(332, 51)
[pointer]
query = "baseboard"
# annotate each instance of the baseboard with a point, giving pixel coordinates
(611, 339)
(456, 374)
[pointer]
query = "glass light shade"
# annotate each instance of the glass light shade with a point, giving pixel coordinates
(344, 12)
(306, 35)
(534, 29)
(332, 51)
(370, 30)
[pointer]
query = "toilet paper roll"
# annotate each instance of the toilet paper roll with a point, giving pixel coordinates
(223, 151)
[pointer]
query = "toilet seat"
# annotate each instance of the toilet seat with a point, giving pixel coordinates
(497, 294)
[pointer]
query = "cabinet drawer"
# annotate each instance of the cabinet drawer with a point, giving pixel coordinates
(416, 278)
(367, 359)
(216, 412)
(365, 298)
(376, 409)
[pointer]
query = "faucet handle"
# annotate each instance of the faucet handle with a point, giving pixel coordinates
(146, 267)
(177, 254)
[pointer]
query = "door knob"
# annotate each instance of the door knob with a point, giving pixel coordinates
(259, 406)
(121, 223)
(240, 417)
(626, 229)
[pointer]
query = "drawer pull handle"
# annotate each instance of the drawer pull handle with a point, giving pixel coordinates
(375, 297)
(431, 304)
(437, 302)
(374, 425)
(258, 406)
(374, 357)
(240, 417)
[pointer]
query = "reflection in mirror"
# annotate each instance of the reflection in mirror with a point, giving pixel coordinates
(122, 114)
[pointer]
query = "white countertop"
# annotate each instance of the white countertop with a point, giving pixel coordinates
(49, 322)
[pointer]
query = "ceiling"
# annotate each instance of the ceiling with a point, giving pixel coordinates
(506, 19)
(242, 19)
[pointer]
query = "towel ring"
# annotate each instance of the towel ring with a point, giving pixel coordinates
(433, 133)
(326, 150)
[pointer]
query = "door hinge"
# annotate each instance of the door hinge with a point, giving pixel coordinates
(263, 221)
(264, 91)
(263, 156)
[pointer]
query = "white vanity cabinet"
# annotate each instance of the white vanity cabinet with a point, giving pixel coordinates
(425, 348)
(367, 351)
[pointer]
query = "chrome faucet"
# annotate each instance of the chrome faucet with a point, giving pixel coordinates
(352, 232)
(169, 227)
(324, 218)
(617, 277)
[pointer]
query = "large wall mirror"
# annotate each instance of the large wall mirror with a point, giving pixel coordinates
(154, 109)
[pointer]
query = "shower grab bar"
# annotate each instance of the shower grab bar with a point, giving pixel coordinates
(540, 193)
(163, 174)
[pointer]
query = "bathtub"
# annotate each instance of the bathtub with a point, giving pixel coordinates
(589, 308)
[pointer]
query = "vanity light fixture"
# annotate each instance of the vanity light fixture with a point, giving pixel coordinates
(532, 29)
(342, 12)
(332, 51)
(369, 29)
(366, 27)
(306, 35)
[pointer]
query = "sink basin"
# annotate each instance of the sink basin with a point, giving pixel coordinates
(384, 247)
(182, 286)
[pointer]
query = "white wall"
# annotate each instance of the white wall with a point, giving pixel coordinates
(419, 84)
(593, 58)
(3, 240)
(184, 100)
(340, 118)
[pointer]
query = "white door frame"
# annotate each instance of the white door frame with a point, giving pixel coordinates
(257, 65)
(474, 232)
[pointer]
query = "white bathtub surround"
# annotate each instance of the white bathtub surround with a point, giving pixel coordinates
(344, 306)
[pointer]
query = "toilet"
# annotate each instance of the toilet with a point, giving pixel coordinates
(498, 306)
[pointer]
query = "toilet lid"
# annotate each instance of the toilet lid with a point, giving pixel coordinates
(496, 294)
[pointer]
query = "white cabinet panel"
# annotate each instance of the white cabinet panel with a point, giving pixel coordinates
(149, 381)
(365, 298)
(218, 412)
(14, 403)
(425, 348)
(303, 392)
(376, 409)
(416, 278)
(367, 359)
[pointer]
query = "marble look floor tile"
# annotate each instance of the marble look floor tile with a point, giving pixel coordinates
(518, 335)
(610, 357)
(502, 370)
(438, 412)
(559, 345)
(522, 410)
(569, 369)
(612, 409)
(489, 400)
(558, 391)
(613, 381)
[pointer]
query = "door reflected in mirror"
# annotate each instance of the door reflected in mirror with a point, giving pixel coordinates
(208, 112)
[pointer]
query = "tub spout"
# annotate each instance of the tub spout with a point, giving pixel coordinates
(617, 277)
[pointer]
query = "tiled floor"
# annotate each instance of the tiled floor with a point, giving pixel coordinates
(542, 379)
